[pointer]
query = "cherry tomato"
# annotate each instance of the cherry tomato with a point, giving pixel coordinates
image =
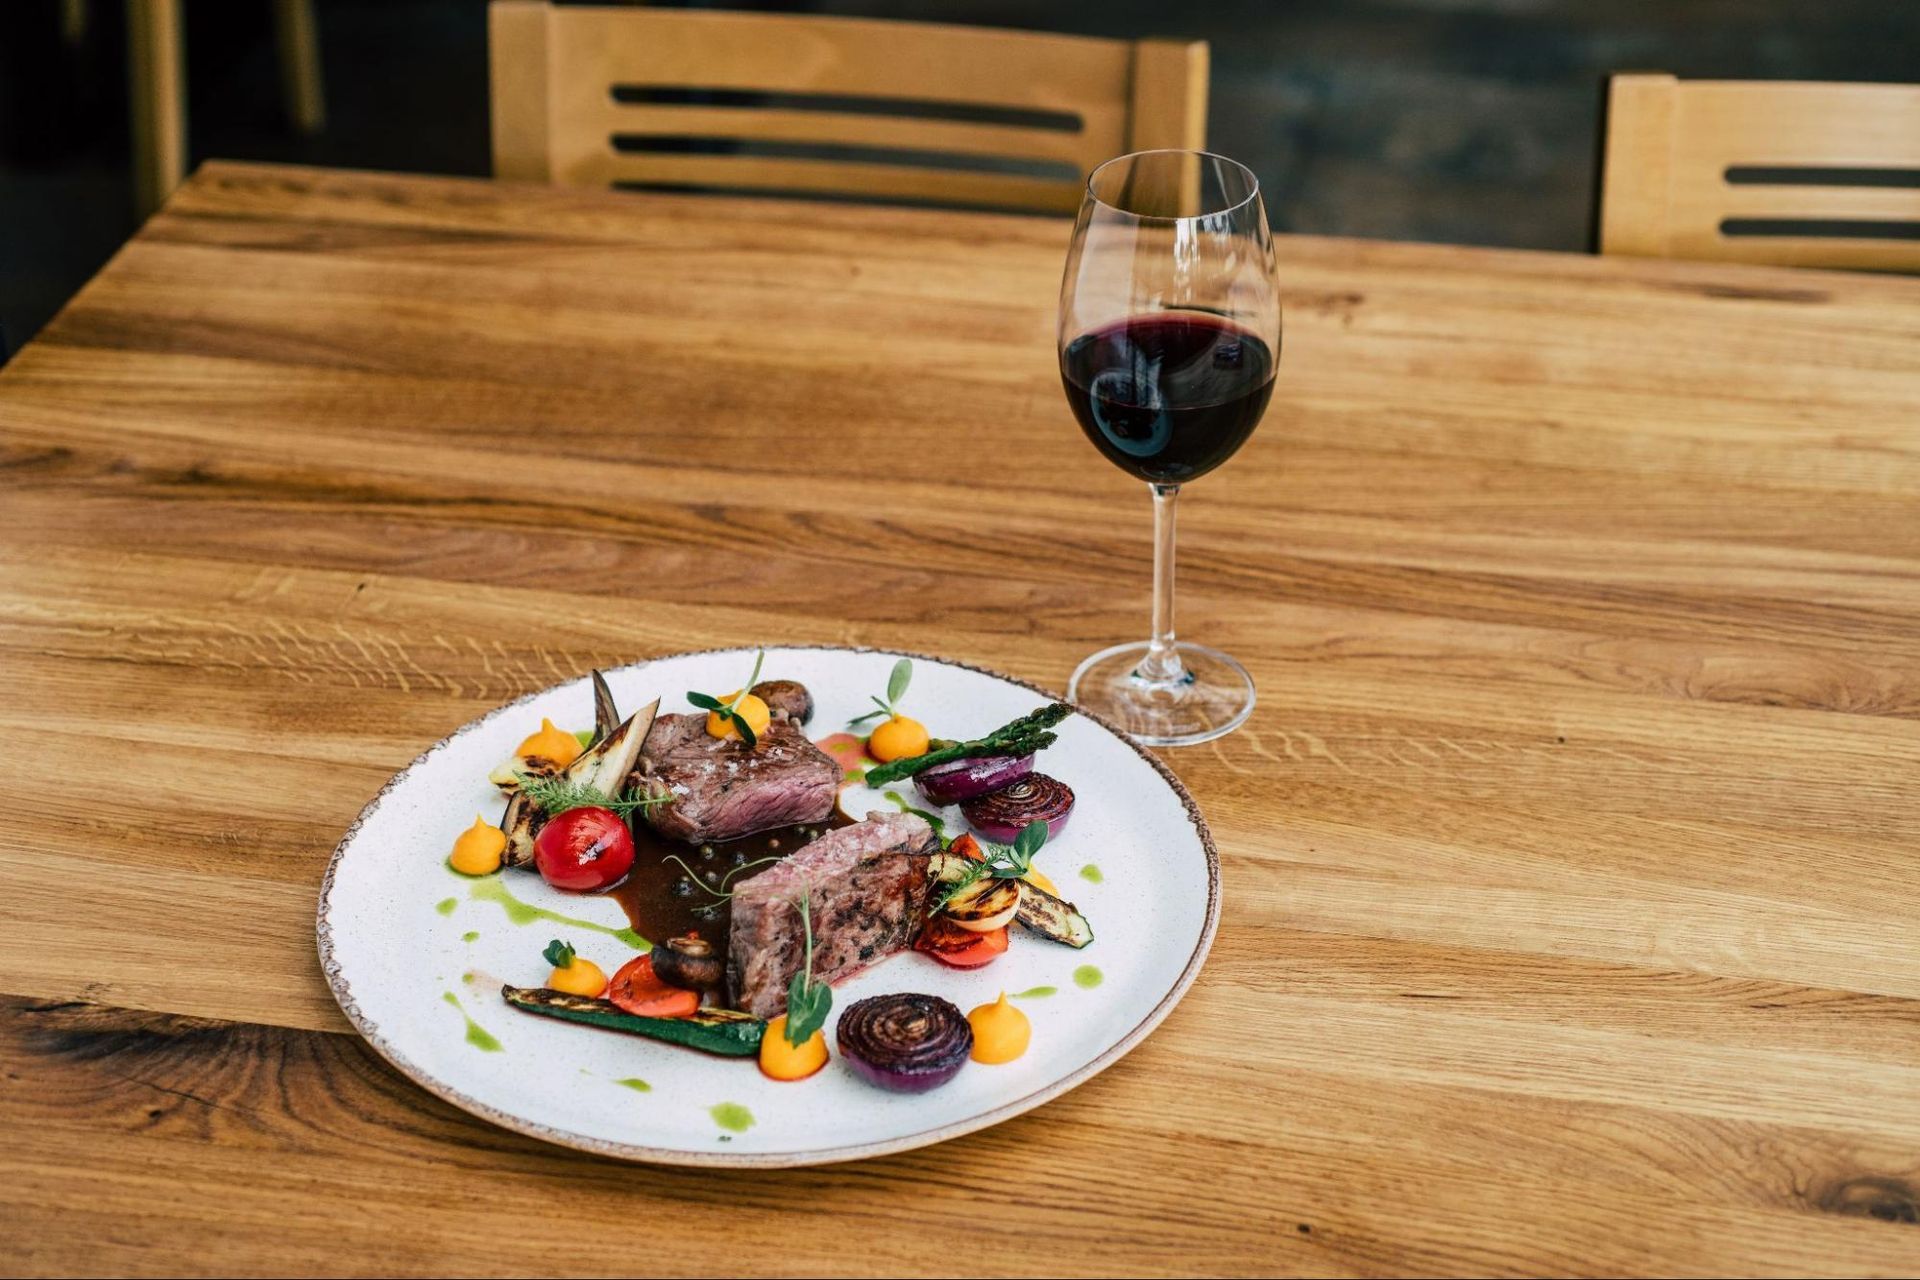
(961, 948)
(584, 849)
(638, 989)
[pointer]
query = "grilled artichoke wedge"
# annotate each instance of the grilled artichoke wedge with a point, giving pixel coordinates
(603, 766)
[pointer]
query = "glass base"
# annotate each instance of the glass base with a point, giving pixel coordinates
(1214, 699)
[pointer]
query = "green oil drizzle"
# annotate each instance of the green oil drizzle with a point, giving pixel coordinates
(477, 1035)
(636, 1084)
(1034, 993)
(518, 912)
(731, 1116)
(1086, 977)
(471, 935)
(1091, 874)
(446, 905)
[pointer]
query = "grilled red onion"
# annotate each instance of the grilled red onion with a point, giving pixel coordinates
(907, 1042)
(958, 780)
(1001, 814)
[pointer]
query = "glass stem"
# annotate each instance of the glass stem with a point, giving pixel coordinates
(1162, 665)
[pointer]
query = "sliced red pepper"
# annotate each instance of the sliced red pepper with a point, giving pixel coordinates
(638, 990)
(961, 948)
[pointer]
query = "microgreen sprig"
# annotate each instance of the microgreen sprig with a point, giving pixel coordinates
(723, 892)
(555, 796)
(558, 954)
(1003, 862)
(729, 710)
(896, 689)
(808, 1002)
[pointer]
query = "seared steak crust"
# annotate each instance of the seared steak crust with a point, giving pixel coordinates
(722, 788)
(866, 886)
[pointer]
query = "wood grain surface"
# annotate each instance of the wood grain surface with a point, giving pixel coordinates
(1571, 922)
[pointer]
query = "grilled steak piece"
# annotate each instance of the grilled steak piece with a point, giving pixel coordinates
(866, 887)
(723, 788)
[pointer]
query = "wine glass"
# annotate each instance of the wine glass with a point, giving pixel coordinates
(1169, 338)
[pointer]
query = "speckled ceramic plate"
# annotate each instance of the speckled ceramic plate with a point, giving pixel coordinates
(416, 953)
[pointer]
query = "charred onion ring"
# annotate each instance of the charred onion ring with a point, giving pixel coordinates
(908, 1042)
(1001, 814)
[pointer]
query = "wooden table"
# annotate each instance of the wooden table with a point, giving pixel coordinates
(1572, 917)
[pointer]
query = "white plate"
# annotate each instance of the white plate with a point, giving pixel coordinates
(399, 931)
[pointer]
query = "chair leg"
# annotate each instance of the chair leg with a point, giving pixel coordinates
(299, 41)
(73, 21)
(157, 81)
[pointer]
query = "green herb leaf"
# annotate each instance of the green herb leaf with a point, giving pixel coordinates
(706, 701)
(1002, 862)
(558, 954)
(745, 730)
(1031, 838)
(808, 1002)
(807, 1007)
(868, 715)
(897, 683)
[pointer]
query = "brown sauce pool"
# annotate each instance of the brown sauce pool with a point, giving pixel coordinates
(660, 895)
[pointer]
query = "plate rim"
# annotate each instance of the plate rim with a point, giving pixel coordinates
(370, 1032)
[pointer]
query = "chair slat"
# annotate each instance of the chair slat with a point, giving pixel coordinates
(827, 128)
(1884, 203)
(999, 191)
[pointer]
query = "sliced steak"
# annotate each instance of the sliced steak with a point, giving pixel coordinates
(866, 887)
(722, 788)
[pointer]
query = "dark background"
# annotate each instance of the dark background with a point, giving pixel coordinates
(1466, 121)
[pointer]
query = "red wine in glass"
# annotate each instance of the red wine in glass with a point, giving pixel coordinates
(1168, 340)
(1168, 396)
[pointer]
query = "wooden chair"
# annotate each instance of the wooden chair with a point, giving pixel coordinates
(157, 84)
(635, 97)
(1797, 174)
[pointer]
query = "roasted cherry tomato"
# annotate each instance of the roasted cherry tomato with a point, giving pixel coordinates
(639, 990)
(948, 943)
(584, 849)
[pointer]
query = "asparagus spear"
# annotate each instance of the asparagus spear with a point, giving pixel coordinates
(1021, 737)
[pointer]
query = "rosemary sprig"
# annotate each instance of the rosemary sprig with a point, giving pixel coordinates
(729, 710)
(808, 1002)
(555, 796)
(1021, 737)
(1003, 862)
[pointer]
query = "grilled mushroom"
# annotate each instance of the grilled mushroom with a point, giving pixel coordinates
(787, 698)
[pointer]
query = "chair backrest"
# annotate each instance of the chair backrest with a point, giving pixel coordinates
(604, 95)
(1796, 174)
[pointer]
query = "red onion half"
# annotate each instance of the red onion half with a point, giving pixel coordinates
(1001, 814)
(908, 1043)
(959, 780)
